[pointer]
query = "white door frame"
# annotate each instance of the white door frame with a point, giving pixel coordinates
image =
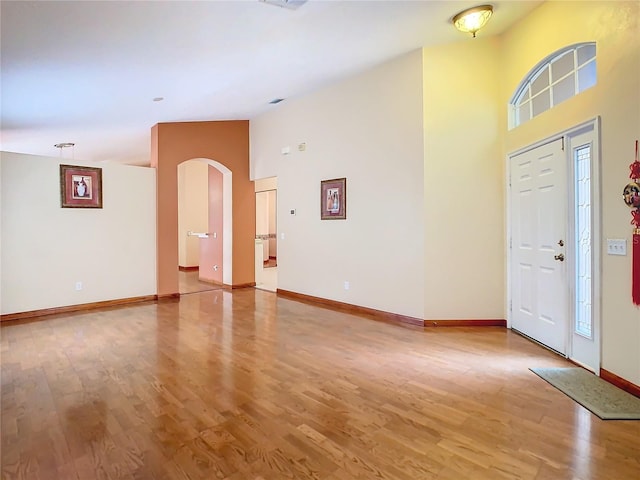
(596, 240)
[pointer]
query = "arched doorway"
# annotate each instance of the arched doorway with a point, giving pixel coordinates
(205, 225)
(228, 143)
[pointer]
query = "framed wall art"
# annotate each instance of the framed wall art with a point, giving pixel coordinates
(80, 187)
(333, 199)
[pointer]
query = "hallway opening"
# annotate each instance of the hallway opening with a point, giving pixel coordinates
(266, 241)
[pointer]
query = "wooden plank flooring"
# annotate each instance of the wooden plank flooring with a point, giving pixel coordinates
(188, 282)
(243, 385)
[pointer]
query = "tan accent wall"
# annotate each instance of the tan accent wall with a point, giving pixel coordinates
(226, 142)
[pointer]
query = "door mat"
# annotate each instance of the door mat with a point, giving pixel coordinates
(602, 398)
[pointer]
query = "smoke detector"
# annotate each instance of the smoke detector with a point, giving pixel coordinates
(290, 4)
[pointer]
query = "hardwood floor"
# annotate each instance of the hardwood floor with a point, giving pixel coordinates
(244, 385)
(188, 282)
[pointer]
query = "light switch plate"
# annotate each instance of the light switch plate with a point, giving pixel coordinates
(616, 246)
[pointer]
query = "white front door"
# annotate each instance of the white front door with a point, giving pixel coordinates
(538, 211)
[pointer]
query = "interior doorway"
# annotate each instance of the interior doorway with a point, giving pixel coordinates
(554, 246)
(200, 227)
(266, 241)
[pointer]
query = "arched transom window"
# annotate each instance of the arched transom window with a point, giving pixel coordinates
(557, 78)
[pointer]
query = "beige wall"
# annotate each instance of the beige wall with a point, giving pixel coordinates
(368, 129)
(262, 220)
(463, 182)
(266, 216)
(269, 185)
(47, 249)
(616, 99)
(264, 184)
(193, 210)
(273, 222)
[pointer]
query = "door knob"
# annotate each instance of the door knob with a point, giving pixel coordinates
(559, 257)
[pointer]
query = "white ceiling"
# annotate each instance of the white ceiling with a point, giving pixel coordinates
(87, 72)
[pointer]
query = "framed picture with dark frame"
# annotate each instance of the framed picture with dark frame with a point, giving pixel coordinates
(80, 187)
(333, 199)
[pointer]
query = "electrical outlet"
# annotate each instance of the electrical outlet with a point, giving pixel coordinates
(347, 285)
(78, 286)
(215, 268)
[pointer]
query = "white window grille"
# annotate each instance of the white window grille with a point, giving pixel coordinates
(557, 78)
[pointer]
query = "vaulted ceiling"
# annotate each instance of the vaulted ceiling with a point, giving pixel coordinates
(88, 72)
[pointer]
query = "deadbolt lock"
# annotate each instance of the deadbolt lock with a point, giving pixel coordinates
(561, 243)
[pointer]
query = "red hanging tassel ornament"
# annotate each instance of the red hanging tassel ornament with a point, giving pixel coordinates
(636, 258)
(631, 197)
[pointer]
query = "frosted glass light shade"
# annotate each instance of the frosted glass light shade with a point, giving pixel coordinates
(473, 19)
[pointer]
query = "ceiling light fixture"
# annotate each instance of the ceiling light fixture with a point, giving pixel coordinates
(473, 19)
(63, 145)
